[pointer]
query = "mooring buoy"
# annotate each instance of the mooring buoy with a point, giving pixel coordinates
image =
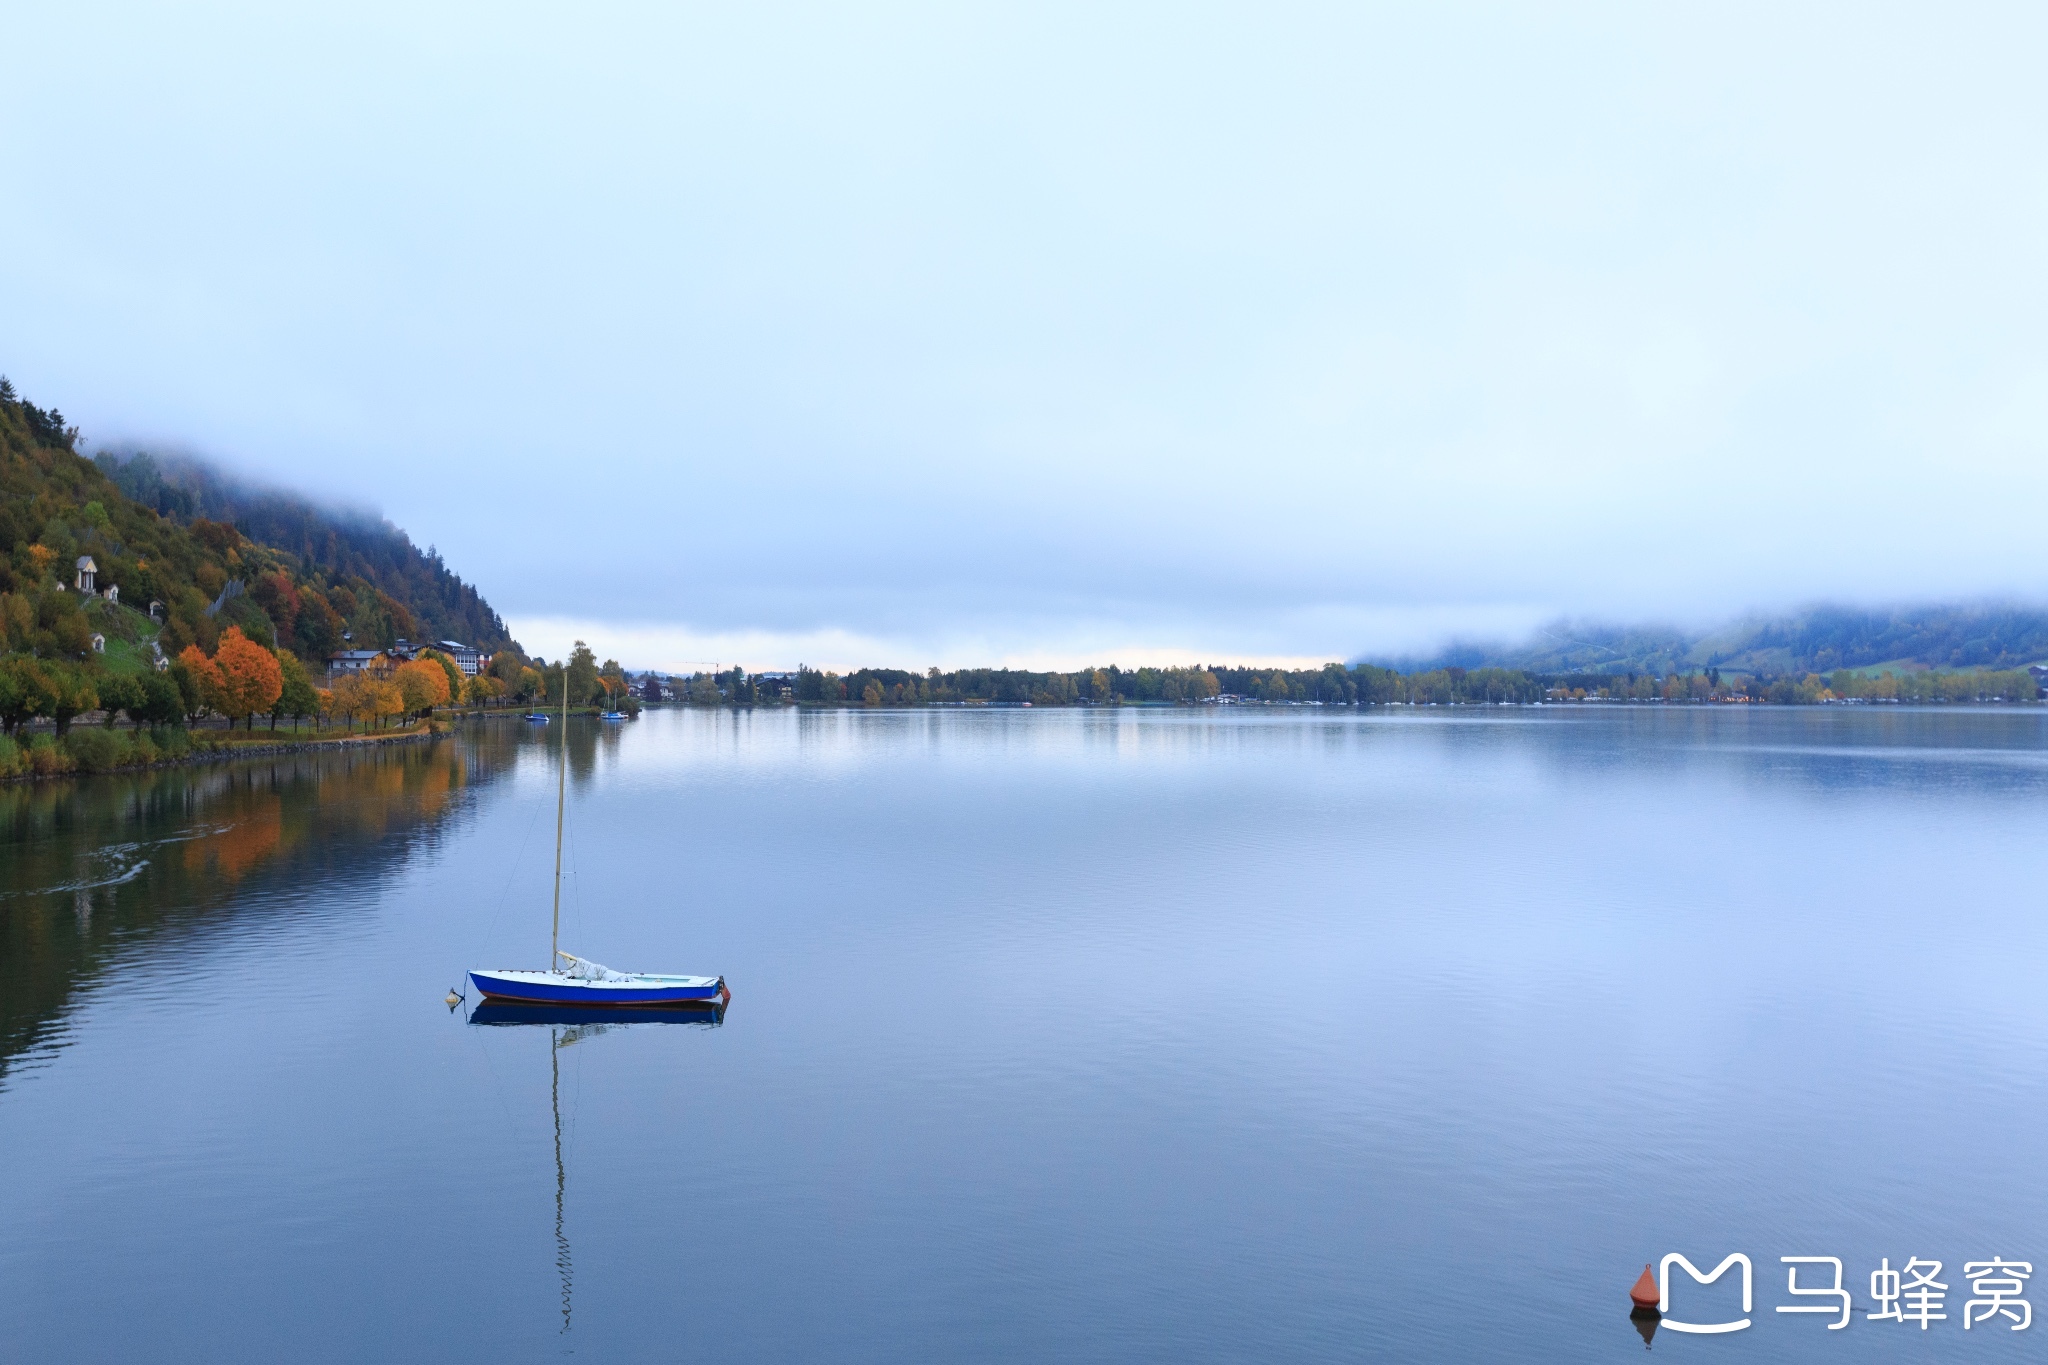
(1645, 1293)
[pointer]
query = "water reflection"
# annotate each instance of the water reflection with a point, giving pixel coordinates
(99, 871)
(567, 1026)
(591, 1020)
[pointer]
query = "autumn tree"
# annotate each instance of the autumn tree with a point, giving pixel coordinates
(250, 677)
(381, 698)
(201, 682)
(349, 699)
(450, 668)
(421, 684)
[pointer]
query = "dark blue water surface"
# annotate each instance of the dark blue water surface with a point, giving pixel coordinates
(1091, 1036)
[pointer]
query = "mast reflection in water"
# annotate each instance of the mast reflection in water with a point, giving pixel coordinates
(568, 1025)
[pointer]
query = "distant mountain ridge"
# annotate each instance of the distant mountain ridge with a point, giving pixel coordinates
(1819, 639)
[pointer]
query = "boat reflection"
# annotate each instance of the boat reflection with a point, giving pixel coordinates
(489, 1012)
(568, 1025)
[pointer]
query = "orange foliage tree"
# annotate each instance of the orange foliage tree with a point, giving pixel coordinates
(251, 679)
(206, 674)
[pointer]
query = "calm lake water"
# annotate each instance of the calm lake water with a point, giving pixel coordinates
(1098, 1036)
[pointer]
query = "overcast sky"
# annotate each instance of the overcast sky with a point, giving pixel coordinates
(869, 333)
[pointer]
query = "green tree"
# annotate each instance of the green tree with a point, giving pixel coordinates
(298, 698)
(25, 692)
(582, 674)
(161, 703)
(191, 689)
(72, 694)
(120, 692)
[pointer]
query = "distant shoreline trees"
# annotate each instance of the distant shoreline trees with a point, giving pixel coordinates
(1335, 684)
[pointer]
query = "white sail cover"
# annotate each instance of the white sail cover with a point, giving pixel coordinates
(580, 970)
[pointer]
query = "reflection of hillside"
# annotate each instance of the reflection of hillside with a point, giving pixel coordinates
(100, 869)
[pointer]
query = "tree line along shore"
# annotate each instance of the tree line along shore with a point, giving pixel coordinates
(60, 717)
(1333, 684)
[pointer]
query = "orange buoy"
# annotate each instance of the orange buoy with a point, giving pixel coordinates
(1645, 1293)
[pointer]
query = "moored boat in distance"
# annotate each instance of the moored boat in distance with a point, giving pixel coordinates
(537, 718)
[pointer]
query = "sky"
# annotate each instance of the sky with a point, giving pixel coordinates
(1063, 334)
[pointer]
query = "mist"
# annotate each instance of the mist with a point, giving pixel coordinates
(1047, 335)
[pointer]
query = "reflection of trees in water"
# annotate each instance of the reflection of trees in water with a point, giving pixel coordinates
(586, 738)
(98, 870)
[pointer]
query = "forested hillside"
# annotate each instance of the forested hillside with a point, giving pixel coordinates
(341, 545)
(213, 554)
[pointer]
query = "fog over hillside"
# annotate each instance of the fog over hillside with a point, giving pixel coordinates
(1817, 639)
(351, 541)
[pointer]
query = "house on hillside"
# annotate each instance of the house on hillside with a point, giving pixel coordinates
(87, 570)
(470, 661)
(344, 662)
(99, 643)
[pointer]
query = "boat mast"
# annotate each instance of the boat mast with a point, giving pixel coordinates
(561, 801)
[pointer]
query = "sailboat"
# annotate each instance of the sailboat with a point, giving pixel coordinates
(572, 980)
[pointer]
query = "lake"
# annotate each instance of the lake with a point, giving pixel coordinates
(1174, 1035)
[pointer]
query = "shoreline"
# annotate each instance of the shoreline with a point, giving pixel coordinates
(210, 745)
(221, 753)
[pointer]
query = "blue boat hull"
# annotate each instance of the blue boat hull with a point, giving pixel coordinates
(561, 990)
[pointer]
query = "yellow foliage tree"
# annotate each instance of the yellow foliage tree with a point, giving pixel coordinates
(421, 684)
(381, 698)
